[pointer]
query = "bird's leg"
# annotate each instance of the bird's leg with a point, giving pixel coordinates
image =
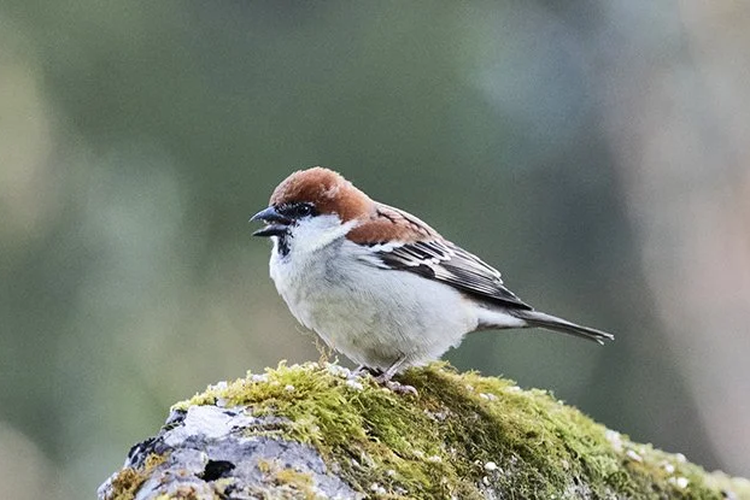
(386, 376)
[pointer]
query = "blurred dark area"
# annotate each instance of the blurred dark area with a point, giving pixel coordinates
(595, 152)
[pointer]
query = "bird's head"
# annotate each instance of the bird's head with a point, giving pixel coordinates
(312, 208)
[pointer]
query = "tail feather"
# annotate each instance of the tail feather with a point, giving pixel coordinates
(549, 322)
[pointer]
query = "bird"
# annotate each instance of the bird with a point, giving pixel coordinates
(378, 284)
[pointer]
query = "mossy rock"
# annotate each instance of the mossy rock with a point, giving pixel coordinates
(317, 431)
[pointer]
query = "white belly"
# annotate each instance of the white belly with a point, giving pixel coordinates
(373, 316)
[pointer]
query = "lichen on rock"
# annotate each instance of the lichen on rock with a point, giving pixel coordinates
(318, 431)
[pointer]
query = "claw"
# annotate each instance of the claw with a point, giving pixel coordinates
(400, 388)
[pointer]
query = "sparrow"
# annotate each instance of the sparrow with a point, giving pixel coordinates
(379, 285)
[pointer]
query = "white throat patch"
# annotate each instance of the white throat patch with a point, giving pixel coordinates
(314, 233)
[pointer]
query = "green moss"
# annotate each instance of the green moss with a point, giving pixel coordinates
(293, 483)
(126, 483)
(462, 434)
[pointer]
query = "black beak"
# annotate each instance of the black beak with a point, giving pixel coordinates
(277, 223)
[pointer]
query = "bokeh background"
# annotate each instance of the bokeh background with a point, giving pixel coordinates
(595, 151)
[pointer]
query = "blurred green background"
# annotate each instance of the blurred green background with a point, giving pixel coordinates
(595, 152)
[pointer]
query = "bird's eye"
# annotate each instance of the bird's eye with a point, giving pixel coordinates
(303, 210)
(299, 210)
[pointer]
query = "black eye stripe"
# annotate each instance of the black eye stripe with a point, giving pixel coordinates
(296, 210)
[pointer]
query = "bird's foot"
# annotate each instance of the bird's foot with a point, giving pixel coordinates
(400, 388)
(385, 378)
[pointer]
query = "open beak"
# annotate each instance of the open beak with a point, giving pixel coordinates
(276, 224)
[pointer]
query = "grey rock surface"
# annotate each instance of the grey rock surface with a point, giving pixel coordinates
(209, 453)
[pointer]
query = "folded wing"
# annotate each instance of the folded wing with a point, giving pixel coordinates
(423, 251)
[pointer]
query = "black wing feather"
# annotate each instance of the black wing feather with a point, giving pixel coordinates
(446, 262)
